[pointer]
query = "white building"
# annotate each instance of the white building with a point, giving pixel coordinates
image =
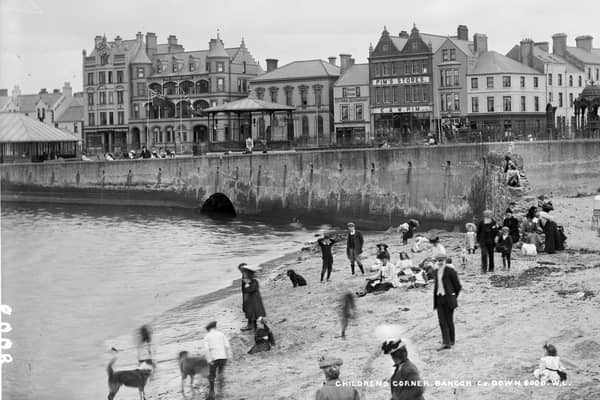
(351, 105)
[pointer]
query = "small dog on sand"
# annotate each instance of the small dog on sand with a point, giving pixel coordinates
(190, 366)
(297, 279)
(136, 378)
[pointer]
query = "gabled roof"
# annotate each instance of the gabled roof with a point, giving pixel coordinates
(216, 49)
(436, 41)
(492, 62)
(27, 102)
(548, 58)
(249, 104)
(127, 47)
(140, 56)
(15, 127)
(358, 74)
(465, 46)
(586, 57)
(74, 112)
(399, 42)
(300, 70)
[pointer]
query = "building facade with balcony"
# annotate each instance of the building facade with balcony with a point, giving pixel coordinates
(306, 85)
(351, 106)
(505, 96)
(142, 93)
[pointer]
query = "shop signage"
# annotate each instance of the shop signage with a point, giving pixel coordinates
(404, 109)
(403, 80)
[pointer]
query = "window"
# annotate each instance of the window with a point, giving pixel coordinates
(474, 104)
(111, 118)
(490, 104)
(91, 78)
(506, 103)
(119, 76)
(110, 77)
(406, 68)
(102, 118)
(220, 66)
(174, 67)
(386, 68)
(136, 111)
(141, 89)
(560, 99)
(506, 81)
(523, 104)
(377, 69)
(244, 67)
(318, 97)
(344, 92)
(407, 93)
(522, 79)
(570, 80)
(220, 85)
(571, 100)
(102, 98)
(75, 127)
(289, 91)
(445, 55)
(550, 97)
(140, 72)
(415, 68)
(387, 94)
(120, 97)
(550, 79)
(536, 103)
(425, 93)
(452, 54)
(415, 92)
(490, 82)
(378, 95)
(358, 112)
(103, 59)
(303, 96)
(559, 79)
(90, 99)
(207, 67)
(273, 92)
(110, 97)
(535, 82)
(443, 102)
(579, 80)
(357, 91)
(474, 83)
(456, 102)
(344, 112)
(424, 68)
(192, 67)
(91, 119)
(101, 77)
(396, 94)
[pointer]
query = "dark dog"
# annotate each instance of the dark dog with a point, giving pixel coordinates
(191, 366)
(297, 280)
(136, 378)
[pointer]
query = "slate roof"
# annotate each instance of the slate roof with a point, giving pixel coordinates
(15, 127)
(27, 102)
(554, 59)
(356, 75)
(140, 55)
(492, 62)
(300, 70)
(586, 57)
(74, 112)
(250, 104)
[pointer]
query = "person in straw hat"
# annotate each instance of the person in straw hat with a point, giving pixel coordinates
(445, 292)
(253, 304)
(333, 388)
(405, 382)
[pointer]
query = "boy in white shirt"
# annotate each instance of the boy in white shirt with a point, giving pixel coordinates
(218, 350)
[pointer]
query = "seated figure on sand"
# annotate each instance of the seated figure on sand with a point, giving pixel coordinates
(385, 279)
(263, 337)
(420, 244)
(550, 369)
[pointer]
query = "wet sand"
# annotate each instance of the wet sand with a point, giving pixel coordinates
(502, 322)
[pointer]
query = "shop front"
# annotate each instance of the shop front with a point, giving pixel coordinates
(405, 124)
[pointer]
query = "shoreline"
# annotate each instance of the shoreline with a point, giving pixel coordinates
(304, 322)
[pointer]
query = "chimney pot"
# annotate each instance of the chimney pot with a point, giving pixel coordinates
(584, 42)
(332, 60)
(344, 62)
(462, 32)
(43, 91)
(403, 34)
(559, 44)
(480, 43)
(271, 64)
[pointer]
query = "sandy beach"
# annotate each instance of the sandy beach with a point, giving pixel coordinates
(502, 322)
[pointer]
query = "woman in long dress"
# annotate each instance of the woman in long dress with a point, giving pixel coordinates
(253, 304)
(553, 240)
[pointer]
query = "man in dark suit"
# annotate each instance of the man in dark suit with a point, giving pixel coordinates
(354, 247)
(445, 292)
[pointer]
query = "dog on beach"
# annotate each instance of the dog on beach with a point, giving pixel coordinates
(190, 366)
(135, 378)
(297, 279)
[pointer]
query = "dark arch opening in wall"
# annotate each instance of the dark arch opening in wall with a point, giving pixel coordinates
(218, 204)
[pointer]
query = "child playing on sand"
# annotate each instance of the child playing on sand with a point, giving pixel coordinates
(550, 368)
(504, 247)
(470, 237)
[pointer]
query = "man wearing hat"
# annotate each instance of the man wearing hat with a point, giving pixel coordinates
(406, 382)
(333, 389)
(325, 243)
(445, 292)
(354, 247)
(218, 350)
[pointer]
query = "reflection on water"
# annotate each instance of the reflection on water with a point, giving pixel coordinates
(76, 276)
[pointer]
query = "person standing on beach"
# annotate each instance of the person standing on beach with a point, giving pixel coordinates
(348, 312)
(244, 295)
(326, 243)
(144, 348)
(354, 247)
(445, 292)
(504, 246)
(512, 224)
(217, 350)
(334, 389)
(253, 307)
(487, 231)
(405, 383)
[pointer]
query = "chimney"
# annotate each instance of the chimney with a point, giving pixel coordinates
(97, 40)
(462, 33)
(16, 92)
(139, 36)
(271, 64)
(43, 91)
(352, 61)
(118, 41)
(480, 43)
(332, 60)
(67, 90)
(403, 34)
(56, 91)
(559, 44)
(526, 56)
(3, 92)
(344, 62)
(151, 43)
(545, 46)
(584, 42)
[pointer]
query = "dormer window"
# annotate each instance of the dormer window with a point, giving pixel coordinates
(103, 59)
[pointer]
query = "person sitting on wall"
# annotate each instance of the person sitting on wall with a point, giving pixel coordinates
(249, 145)
(512, 176)
(145, 153)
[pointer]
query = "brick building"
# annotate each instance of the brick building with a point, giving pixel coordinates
(351, 105)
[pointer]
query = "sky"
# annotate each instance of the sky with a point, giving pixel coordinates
(41, 40)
